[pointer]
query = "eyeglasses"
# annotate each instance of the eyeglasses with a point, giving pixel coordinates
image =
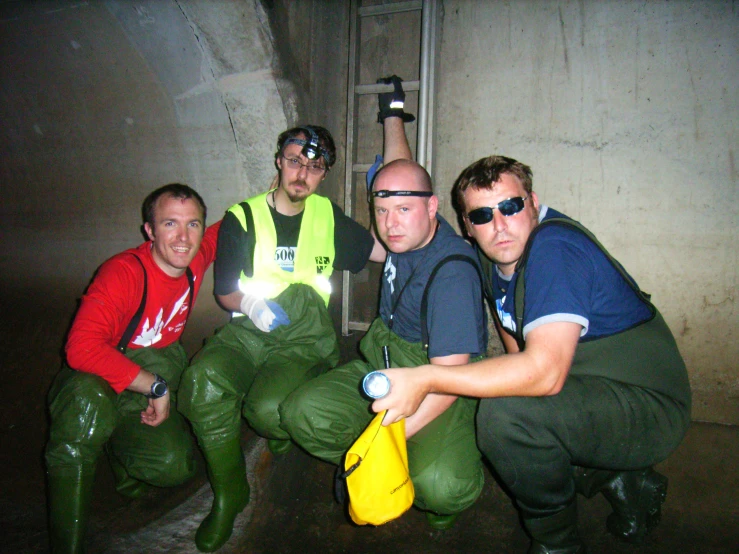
(507, 207)
(313, 168)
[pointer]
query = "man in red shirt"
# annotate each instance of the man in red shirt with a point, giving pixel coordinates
(124, 362)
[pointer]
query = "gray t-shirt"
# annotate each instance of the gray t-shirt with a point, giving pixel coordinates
(455, 320)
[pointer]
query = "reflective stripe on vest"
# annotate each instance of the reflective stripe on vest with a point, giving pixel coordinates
(314, 255)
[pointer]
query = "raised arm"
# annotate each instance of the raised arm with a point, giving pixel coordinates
(393, 118)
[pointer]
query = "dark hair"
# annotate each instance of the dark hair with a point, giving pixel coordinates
(484, 173)
(176, 190)
(325, 141)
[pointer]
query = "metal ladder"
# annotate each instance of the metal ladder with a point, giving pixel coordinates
(355, 170)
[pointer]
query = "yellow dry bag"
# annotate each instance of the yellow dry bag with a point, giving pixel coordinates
(376, 471)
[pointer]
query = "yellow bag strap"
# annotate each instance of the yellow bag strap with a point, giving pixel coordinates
(374, 425)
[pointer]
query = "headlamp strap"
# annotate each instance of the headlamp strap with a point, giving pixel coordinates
(387, 193)
(311, 146)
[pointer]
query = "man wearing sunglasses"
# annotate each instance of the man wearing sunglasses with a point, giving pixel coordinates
(592, 391)
(430, 309)
(276, 253)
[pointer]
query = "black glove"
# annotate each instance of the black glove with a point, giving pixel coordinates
(391, 103)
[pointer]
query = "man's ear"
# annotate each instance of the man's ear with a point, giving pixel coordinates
(433, 206)
(467, 225)
(535, 204)
(149, 231)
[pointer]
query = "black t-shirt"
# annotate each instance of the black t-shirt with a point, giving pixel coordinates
(352, 242)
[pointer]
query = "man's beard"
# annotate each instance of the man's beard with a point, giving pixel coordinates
(301, 195)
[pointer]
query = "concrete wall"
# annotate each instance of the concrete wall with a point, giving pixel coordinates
(627, 112)
(103, 102)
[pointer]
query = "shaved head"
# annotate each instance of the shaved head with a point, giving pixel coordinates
(402, 175)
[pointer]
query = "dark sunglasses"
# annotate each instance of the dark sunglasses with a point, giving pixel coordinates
(507, 207)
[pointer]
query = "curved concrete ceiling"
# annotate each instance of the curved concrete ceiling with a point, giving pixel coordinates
(101, 102)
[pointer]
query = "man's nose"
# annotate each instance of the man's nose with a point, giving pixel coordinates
(499, 221)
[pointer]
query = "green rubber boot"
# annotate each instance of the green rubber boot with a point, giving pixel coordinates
(278, 446)
(124, 483)
(227, 474)
(70, 491)
(441, 522)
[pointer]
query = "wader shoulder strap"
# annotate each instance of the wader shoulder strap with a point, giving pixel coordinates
(191, 294)
(425, 298)
(128, 333)
(487, 277)
(136, 319)
(521, 269)
(251, 244)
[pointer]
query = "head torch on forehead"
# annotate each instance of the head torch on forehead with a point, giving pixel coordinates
(311, 146)
(388, 193)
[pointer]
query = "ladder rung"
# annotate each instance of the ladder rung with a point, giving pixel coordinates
(381, 87)
(359, 326)
(393, 7)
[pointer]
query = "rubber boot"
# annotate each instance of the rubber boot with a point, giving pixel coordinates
(279, 446)
(555, 534)
(441, 522)
(124, 483)
(70, 492)
(227, 474)
(635, 496)
(590, 481)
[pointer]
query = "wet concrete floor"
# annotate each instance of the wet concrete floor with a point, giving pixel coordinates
(292, 508)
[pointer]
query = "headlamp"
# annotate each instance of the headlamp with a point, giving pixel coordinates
(388, 193)
(311, 146)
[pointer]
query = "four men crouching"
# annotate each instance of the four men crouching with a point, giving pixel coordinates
(591, 393)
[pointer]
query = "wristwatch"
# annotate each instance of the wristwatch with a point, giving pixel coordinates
(158, 387)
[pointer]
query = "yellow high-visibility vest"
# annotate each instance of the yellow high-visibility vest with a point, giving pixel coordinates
(314, 254)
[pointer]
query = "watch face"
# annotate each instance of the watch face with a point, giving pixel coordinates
(158, 389)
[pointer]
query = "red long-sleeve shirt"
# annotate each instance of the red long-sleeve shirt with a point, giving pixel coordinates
(113, 298)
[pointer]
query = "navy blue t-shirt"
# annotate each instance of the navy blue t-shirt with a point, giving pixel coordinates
(568, 278)
(456, 321)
